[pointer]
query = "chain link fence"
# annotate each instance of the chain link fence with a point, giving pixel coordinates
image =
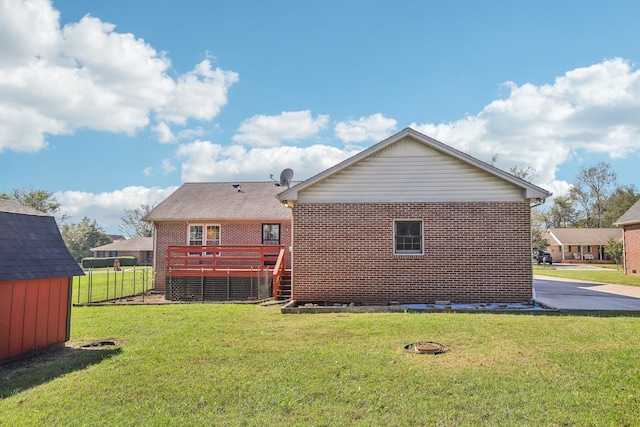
(109, 284)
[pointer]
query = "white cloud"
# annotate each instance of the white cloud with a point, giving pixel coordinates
(167, 166)
(270, 131)
(163, 133)
(55, 79)
(373, 128)
(206, 161)
(592, 109)
(199, 94)
(108, 208)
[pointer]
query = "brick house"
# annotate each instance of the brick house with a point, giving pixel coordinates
(36, 272)
(225, 214)
(630, 223)
(139, 247)
(579, 244)
(412, 220)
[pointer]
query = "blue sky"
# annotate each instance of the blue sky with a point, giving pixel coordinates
(113, 104)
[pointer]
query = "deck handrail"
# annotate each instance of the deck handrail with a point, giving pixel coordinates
(278, 272)
(222, 257)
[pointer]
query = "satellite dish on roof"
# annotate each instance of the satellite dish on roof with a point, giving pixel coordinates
(285, 177)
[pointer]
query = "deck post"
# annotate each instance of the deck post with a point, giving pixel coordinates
(202, 284)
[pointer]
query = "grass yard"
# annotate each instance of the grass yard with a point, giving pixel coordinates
(609, 275)
(245, 365)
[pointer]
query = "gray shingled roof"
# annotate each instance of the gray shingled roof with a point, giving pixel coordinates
(133, 244)
(581, 236)
(221, 201)
(632, 216)
(13, 207)
(31, 246)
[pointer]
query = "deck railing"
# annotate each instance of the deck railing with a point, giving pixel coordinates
(278, 272)
(222, 260)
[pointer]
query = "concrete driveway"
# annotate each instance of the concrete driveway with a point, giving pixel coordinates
(567, 294)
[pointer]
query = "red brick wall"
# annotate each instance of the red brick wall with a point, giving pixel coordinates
(473, 252)
(175, 234)
(632, 249)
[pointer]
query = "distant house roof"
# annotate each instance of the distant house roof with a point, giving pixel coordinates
(9, 206)
(530, 191)
(31, 246)
(632, 216)
(131, 245)
(221, 201)
(581, 236)
(115, 237)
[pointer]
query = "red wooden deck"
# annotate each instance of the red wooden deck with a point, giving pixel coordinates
(228, 261)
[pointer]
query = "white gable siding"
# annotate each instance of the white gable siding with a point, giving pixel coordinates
(409, 171)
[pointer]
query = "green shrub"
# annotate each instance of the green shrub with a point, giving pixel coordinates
(125, 261)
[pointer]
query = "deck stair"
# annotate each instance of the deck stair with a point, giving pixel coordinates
(285, 286)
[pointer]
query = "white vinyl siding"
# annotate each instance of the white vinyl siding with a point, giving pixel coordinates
(410, 171)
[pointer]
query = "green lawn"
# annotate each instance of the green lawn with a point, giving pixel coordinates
(245, 365)
(610, 275)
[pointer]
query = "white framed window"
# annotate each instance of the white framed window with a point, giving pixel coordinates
(204, 234)
(408, 237)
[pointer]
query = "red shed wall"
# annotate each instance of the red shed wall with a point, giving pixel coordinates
(473, 252)
(231, 233)
(632, 249)
(33, 314)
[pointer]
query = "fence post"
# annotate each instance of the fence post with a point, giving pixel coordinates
(122, 285)
(90, 285)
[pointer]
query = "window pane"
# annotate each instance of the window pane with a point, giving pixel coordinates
(271, 234)
(213, 234)
(408, 238)
(195, 235)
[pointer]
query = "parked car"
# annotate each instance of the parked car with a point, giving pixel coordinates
(544, 258)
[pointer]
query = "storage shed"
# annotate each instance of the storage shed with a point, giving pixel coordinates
(36, 271)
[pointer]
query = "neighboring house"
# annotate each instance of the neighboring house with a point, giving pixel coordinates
(116, 237)
(227, 214)
(36, 272)
(630, 223)
(579, 244)
(412, 220)
(139, 247)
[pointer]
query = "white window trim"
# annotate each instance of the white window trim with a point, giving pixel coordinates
(204, 232)
(393, 240)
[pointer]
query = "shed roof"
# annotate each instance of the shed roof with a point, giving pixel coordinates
(221, 201)
(31, 246)
(632, 216)
(133, 244)
(581, 236)
(530, 191)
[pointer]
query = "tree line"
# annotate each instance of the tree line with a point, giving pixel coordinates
(82, 236)
(596, 200)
